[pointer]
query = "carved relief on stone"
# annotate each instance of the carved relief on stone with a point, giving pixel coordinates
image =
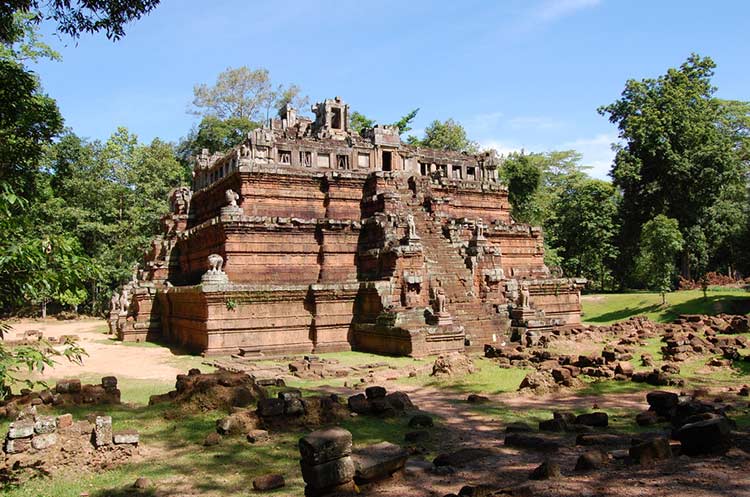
(124, 302)
(215, 274)
(524, 297)
(114, 302)
(411, 231)
(215, 263)
(232, 197)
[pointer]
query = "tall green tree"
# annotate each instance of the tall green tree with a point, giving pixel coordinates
(660, 244)
(680, 154)
(446, 135)
(523, 176)
(583, 229)
(214, 134)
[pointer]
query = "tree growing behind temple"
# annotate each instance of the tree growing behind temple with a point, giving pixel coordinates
(445, 135)
(683, 155)
(583, 229)
(244, 93)
(660, 244)
(359, 122)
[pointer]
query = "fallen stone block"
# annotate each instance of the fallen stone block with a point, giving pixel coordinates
(102, 434)
(704, 437)
(44, 441)
(45, 424)
(545, 471)
(591, 460)
(378, 461)
(328, 474)
(325, 445)
(21, 429)
(268, 482)
(532, 441)
(651, 450)
(126, 437)
(596, 419)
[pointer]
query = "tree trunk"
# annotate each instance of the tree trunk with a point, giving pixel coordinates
(685, 265)
(44, 309)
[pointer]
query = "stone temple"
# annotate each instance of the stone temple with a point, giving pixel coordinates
(310, 237)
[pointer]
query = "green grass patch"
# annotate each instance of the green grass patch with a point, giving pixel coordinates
(488, 379)
(610, 308)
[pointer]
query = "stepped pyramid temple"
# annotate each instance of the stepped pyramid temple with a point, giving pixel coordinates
(309, 237)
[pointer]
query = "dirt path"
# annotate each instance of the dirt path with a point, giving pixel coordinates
(105, 355)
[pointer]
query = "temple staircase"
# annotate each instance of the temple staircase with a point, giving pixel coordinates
(447, 269)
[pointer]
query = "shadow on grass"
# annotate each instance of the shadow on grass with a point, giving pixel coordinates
(710, 305)
(622, 314)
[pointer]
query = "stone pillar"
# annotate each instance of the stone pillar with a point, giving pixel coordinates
(326, 462)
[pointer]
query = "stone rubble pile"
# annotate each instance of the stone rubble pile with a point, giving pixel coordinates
(378, 402)
(35, 440)
(222, 390)
(290, 409)
(68, 392)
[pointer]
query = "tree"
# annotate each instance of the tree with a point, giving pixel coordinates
(523, 177)
(660, 244)
(244, 93)
(404, 124)
(359, 122)
(216, 135)
(446, 135)
(28, 120)
(681, 153)
(74, 17)
(583, 229)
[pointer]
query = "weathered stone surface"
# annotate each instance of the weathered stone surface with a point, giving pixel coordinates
(417, 436)
(325, 445)
(44, 441)
(21, 429)
(532, 441)
(102, 434)
(17, 445)
(461, 457)
(593, 459)
(328, 474)
(109, 382)
(518, 427)
(359, 403)
(651, 450)
(661, 402)
(375, 392)
(603, 439)
(378, 461)
(268, 482)
(212, 439)
(596, 419)
(704, 437)
(257, 436)
(64, 421)
(126, 437)
(270, 407)
(45, 424)
(421, 421)
(548, 469)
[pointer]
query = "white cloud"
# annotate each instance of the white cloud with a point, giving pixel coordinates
(482, 123)
(535, 122)
(551, 10)
(597, 153)
(502, 148)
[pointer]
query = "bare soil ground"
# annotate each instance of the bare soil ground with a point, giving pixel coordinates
(461, 425)
(112, 358)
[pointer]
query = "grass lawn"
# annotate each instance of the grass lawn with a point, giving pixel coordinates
(610, 308)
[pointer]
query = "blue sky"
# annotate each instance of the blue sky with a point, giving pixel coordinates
(517, 74)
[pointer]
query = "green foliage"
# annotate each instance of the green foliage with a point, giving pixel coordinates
(76, 17)
(28, 121)
(359, 122)
(523, 177)
(660, 243)
(244, 93)
(131, 181)
(26, 43)
(404, 124)
(445, 135)
(18, 363)
(684, 155)
(215, 135)
(584, 229)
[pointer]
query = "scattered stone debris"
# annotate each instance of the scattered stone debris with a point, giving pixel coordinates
(378, 461)
(211, 391)
(68, 392)
(38, 443)
(291, 410)
(377, 401)
(268, 482)
(451, 364)
(326, 462)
